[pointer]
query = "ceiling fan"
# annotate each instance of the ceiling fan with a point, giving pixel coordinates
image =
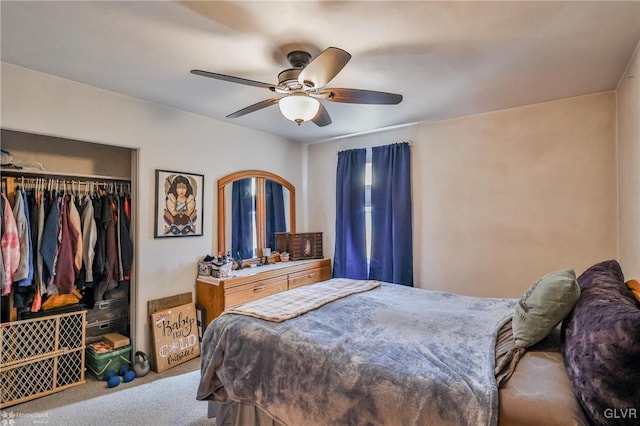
(302, 85)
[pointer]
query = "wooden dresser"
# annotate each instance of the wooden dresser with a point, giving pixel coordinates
(214, 295)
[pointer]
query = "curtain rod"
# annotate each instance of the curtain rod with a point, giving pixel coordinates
(409, 142)
(368, 132)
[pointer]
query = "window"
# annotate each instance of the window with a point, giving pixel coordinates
(374, 226)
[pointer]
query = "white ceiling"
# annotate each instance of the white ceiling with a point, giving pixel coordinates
(446, 58)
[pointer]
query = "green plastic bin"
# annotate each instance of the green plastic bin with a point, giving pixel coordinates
(99, 363)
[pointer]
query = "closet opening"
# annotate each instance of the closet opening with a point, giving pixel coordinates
(73, 177)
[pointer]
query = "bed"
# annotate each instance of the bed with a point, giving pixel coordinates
(392, 355)
(396, 355)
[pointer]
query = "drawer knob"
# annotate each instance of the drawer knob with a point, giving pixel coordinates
(311, 275)
(258, 288)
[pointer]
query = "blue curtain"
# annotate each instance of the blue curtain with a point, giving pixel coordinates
(391, 218)
(350, 257)
(275, 214)
(243, 217)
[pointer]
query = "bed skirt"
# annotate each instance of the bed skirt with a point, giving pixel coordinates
(240, 414)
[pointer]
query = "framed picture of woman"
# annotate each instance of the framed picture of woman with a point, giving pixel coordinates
(179, 198)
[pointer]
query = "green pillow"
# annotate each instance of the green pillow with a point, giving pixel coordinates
(547, 302)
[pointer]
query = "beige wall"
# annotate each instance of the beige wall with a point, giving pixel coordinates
(165, 139)
(629, 167)
(499, 198)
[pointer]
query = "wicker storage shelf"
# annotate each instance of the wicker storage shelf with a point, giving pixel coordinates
(41, 356)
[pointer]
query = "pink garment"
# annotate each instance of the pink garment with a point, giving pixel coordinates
(10, 246)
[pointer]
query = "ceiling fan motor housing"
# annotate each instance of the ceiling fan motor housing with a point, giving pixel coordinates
(288, 79)
(298, 58)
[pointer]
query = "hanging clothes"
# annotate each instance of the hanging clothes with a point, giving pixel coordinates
(41, 287)
(49, 245)
(74, 221)
(23, 277)
(127, 209)
(65, 276)
(126, 243)
(1, 258)
(89, 237)
(102, 219)
(59, 242)
(2, 269)
(109, 282)
(119, 220)
(32, 206)
(112, 244)
(24, 274)
(10, 245)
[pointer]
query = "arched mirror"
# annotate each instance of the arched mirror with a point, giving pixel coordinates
(252, 206)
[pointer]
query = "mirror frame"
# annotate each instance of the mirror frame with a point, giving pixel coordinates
(261, 220)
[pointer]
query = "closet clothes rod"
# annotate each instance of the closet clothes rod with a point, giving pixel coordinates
(69, 184)
(21, 180)
(17, 173)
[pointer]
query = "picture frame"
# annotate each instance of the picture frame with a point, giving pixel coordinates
(178, 204)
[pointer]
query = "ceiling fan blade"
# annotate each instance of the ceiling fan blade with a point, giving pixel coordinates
(324, 67)
(233, 79)
(357, 96)
(322, 118)
(254, 107)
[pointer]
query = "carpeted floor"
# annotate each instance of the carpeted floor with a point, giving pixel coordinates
(159, 399)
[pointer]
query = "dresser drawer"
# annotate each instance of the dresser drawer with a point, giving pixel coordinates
(255, 290)
(108, 310)
(311, 276)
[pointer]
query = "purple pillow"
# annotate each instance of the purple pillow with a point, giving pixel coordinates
(601, 346)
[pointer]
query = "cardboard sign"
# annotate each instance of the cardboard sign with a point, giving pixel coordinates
(175, 336)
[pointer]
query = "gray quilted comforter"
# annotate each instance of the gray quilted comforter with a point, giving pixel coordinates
(391, 356)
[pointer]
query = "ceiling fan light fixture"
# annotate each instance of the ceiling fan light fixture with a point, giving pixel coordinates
(300, 87)
(299, 107)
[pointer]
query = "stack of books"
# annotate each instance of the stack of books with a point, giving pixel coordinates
(108, 343)
(99, 347)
